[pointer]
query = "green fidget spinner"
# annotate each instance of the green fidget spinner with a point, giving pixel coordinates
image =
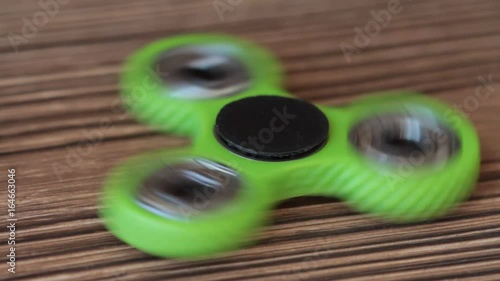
(401, 156)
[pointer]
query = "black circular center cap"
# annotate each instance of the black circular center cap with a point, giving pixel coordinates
(272, 128)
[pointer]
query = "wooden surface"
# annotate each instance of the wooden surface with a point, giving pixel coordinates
(62, 84)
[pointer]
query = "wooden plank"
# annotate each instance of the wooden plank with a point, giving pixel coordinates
(63, 83)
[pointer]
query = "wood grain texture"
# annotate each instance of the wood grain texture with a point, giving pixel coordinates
(62, 84)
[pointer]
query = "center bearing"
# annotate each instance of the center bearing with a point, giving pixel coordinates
(272, 128)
